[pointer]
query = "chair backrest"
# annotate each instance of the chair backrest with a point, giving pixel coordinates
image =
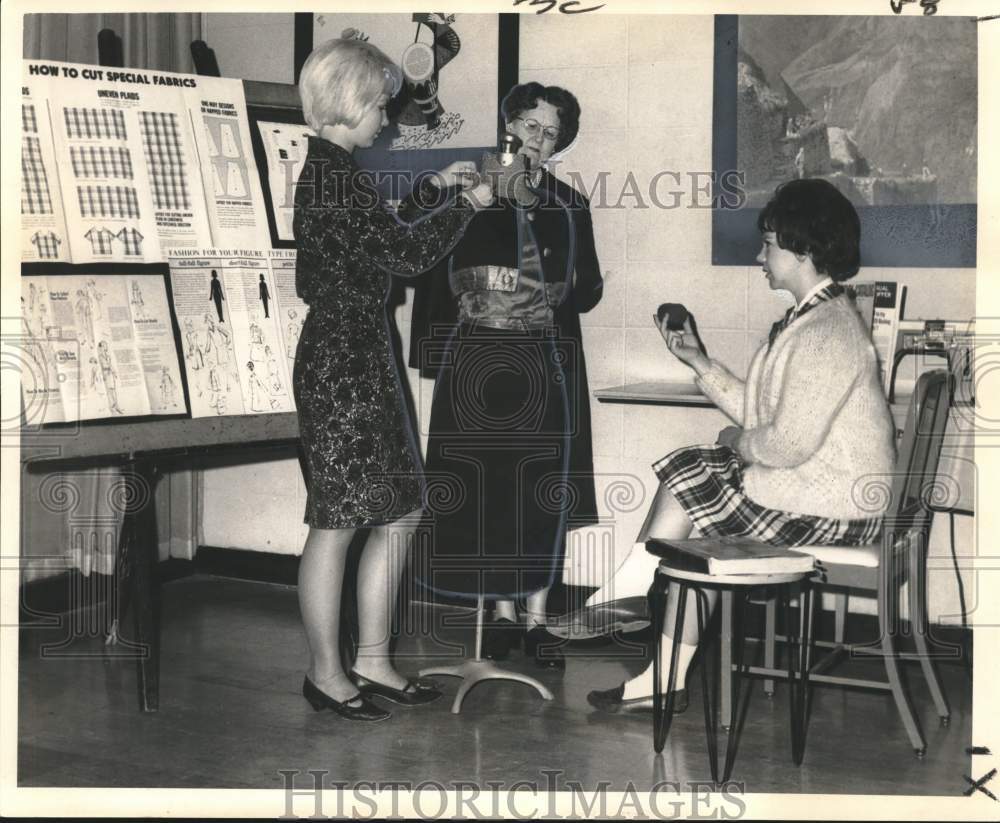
(914, 483)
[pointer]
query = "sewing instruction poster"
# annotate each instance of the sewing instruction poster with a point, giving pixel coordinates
(43, 226)
(103, 347)
(218, 110)
(138, 161)
(292, 309)
(230, 323)
(285, 147)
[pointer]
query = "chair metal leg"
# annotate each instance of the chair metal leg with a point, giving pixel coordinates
(839, 616)
(663, 716)
(770, 632)
(887, 607)
(918, 619)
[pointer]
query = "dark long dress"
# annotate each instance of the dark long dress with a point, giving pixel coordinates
(359, 440)
(509, 458)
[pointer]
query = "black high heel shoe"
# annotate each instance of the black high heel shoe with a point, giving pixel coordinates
(544, 648)
(414, 693)
(365, 710)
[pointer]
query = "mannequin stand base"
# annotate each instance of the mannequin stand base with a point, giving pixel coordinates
(474, 672)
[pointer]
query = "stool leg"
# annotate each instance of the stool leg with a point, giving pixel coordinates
(770, 638)
(790, 657)
(740, 601)
(726, 658)
(798, 688)
(711, 711)
(663, 717)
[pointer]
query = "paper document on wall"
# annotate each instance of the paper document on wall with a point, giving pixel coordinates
(229, 317)
(229, 172)
(43, 225)
(137, 161)
(292, 309)
(103, 345)
(127, 161)
(285, 147)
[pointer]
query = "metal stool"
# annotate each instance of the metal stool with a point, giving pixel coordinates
(732, 586)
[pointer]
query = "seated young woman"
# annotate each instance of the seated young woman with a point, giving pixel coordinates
(813, 422)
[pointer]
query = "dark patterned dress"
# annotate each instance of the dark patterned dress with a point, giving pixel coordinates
(509, 458)
(363, 460)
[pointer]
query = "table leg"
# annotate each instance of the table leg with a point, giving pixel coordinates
(138, 553)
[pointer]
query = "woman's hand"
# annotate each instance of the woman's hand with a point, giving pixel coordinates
(730, 436)
(460, 173)
(479, 196)
(685, 350)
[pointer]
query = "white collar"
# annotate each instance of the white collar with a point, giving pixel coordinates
(822, 284)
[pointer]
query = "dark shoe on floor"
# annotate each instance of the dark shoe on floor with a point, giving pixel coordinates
(415, 693)
(544, 648)
(628, 614)
(499, 637)
(358, 707)
(613, 701)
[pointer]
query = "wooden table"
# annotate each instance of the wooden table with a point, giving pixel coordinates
(141, 448)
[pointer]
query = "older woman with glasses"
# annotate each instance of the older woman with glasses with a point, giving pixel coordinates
(509, 451)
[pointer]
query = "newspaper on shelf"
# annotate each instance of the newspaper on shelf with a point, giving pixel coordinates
(886, 314)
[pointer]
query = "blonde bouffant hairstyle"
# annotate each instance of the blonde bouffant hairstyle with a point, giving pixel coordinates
(341, 79)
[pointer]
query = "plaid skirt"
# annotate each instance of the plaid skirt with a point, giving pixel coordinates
(708, 482)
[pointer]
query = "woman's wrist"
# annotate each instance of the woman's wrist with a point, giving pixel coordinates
(701, 365)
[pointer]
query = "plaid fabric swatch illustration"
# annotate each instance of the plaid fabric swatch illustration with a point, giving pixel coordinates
(161, 140)
(35, 196)
(47, 243)
(132, 240)
(108, 201)
(95, 123)
(29, 123)
(101, 161)
(100, 240)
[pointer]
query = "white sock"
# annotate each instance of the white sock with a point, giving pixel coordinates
(632, 579)
(504, 609)
(642, 684)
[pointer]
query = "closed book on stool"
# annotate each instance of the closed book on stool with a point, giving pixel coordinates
(729, 555)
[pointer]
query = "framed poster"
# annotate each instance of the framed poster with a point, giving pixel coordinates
(280, 141)
(883, 107)
(457, 68)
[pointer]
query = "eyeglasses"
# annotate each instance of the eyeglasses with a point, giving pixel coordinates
(532, 127)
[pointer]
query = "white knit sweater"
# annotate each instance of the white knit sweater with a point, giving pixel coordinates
(816, 425)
